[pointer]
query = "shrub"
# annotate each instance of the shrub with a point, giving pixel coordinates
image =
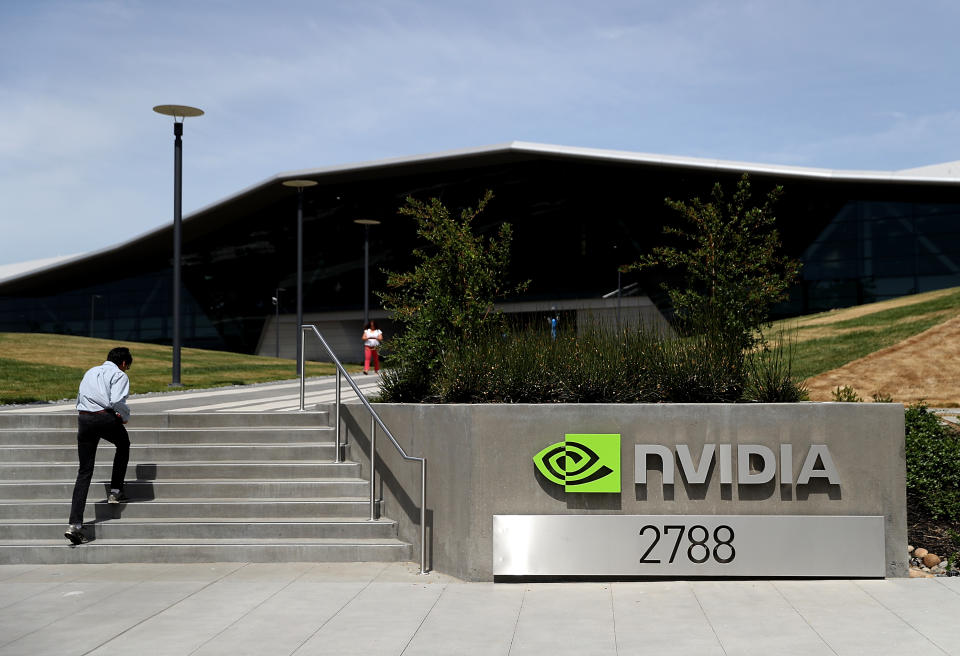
(933, 463)
(846, 394)
(598, 365)
(729, 254)
(447, 299)
(770, 375)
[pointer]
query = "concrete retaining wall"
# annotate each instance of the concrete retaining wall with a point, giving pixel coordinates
(480, 463)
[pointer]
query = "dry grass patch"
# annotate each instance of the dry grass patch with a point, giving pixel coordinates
(921, 367)
(827, 341)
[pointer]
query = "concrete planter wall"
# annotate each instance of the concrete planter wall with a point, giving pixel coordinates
(480, 464)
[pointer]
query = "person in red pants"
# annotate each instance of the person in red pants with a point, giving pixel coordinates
(103, 411)
(372, 337)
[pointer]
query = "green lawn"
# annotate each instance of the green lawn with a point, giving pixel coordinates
(42, 367)
(820, 344)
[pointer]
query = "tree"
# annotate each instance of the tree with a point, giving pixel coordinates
(729, 255)
(447, 298)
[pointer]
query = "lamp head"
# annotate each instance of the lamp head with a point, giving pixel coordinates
(299, 184)
(178, 111)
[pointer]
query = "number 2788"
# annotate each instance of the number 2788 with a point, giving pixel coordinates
(698, 540)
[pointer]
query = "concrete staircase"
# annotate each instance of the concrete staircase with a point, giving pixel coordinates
(212, 487)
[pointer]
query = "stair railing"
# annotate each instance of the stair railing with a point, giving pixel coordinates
(375, 420)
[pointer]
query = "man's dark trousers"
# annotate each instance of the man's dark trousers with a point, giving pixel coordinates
(91, 428)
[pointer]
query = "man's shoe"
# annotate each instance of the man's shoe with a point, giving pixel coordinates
(117, 497)
(75, 535)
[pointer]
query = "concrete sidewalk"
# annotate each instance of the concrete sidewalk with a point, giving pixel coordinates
(281, 396)
(377, 608)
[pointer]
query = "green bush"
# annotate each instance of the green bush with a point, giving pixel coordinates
(730, 259)
(933, 463)
(770, 377)
(846, 394)
(602, 365)
(447, 299)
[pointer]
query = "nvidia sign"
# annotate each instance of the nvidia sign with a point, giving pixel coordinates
(668, 544)
(590, 462)
(583, 462)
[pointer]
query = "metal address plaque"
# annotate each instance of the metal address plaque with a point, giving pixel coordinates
(688, 545)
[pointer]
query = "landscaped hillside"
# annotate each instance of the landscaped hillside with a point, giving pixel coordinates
(906, 348)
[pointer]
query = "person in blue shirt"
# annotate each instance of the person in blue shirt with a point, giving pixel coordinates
(103, 411)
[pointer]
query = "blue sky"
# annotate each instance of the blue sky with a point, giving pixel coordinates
(85, 163)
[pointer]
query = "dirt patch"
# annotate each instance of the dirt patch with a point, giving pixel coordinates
(923, 367)
(934, 535)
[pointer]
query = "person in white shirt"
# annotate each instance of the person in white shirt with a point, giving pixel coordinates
(103, 411)
(372, 337)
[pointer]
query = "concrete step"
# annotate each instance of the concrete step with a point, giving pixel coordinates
(311, 419)
(187, 508)
(168, 452)
(183, 488)
(145, 472)
(58, 551)
(148, 529)
(67, 437)
(204, 487)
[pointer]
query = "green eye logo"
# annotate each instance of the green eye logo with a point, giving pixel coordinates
(583, 462)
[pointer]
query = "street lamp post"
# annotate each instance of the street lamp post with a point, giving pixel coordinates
(276, 325)
(366, 223)
(177, 112)
(299, 185)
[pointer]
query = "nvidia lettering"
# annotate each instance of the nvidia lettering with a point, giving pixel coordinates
(583, 462)
(590, 462)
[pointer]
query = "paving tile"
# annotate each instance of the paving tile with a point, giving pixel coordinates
(40, 610)
(477, 618)
(100, 622)
(851, 621)
(661, 617)
(381, 608)
(380, 620)
(185, 626)
(401, 572)
(752, 617)
(927, 605)
(565, 618)
(329, 572)
(46, 573)
(190, 572)
(13, 592)
(951, 583)
(284, 621)
(8, 572)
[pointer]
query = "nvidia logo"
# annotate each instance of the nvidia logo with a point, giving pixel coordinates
(583, 462)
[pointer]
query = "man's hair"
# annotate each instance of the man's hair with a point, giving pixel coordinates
(120, 355)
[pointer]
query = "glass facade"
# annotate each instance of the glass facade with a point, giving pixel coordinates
(575, 221)
(874, 250)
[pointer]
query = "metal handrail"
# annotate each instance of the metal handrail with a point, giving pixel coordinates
(375, 420)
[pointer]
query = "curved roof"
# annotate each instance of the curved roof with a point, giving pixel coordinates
(269, 189)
